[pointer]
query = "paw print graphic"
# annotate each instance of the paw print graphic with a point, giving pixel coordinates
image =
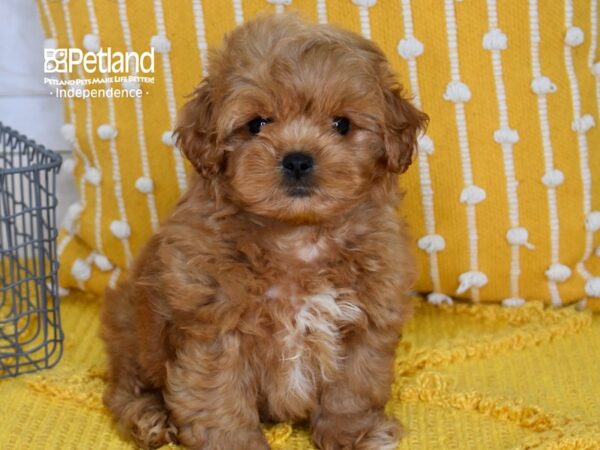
(55, 60)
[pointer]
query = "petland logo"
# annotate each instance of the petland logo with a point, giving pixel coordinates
(128, 69)
(66, 60)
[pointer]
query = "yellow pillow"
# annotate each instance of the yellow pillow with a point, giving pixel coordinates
(504, 196)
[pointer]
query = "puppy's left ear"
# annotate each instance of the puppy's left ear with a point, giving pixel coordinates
(403, 124)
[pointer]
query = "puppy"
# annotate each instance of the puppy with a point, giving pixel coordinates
(276, 289)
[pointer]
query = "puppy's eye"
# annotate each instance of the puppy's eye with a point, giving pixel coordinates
(255, 125)
(341, 125)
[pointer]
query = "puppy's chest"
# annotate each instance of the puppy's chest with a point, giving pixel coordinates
(306, 347)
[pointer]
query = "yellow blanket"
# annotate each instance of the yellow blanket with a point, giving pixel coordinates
(466, 378)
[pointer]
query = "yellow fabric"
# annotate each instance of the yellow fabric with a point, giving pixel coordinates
(466, 378)
(387, 21)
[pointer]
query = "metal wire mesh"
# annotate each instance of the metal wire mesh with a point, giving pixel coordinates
(31, 337)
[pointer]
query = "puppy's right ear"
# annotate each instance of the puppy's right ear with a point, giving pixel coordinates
(196, 134)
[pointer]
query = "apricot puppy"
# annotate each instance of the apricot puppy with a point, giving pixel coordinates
(276, 289)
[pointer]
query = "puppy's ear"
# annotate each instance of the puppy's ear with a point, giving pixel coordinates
(403, 124)
(196, 133)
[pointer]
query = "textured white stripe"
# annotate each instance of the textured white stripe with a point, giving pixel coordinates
(322, 11)
(116, 175)
(365, 23)
(139, 117)
(546, 146)
(92, 17)
(161, 31)
(62, 244)
(238, 12)
(581, 135)
(50, 19)
(89, 132)
(507, 150)
(594, 47)
(201, 35)
(60, 248)
(279, 8)
(593, 32)
(463, 140)
(82, 156)
(424, 172)
(583, 271)
(112, 146)
(542, 104)
(114, 278)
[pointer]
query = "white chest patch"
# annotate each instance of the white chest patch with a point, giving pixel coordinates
(308, 252)
(312, 341)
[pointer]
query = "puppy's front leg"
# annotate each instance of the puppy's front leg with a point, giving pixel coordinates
(350, 415)
(212, 397)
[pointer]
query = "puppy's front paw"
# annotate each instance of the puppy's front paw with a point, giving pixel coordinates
(196, 437)
(369, 431)
(384, 435)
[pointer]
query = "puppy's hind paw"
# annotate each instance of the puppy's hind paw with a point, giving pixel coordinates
(153, 430)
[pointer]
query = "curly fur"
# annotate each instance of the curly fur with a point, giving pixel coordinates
(251, 304)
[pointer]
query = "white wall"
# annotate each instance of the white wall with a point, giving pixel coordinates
(25, 103)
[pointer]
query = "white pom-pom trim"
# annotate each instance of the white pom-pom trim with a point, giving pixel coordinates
(592, 287)
(592, 221)
(131, 85)
(145, 185)
(457, 92)
(543, 85)
(506, 136)
(574, 36)
(471, 279)
(437, 298)
(495, 40)
(92, 175)
(72, 216)
(63, 292)
(102, 262)
(364, 3)
(425, 144)
(410, 48)
(91, 42)
(280, 2)
(596, 69)
(160, 43)
(518, 236)
(583, 124)
(74, 210)
(513, 302)
(558, 272)
(432, 243)
(50, 43)
(107, 131)
(167, 138)
(67, 131)
(81, 270)
(120, 229)
(553, 178)
(68, 165)
(472, 195)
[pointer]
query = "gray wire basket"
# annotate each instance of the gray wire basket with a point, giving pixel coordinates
(31, 337)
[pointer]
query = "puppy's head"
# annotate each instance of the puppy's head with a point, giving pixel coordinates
(298, 122)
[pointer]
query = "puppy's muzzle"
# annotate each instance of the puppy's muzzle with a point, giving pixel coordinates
(297, 169)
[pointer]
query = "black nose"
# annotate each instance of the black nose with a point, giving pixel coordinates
(297, 165)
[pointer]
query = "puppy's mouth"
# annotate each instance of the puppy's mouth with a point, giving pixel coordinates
(299, 191)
